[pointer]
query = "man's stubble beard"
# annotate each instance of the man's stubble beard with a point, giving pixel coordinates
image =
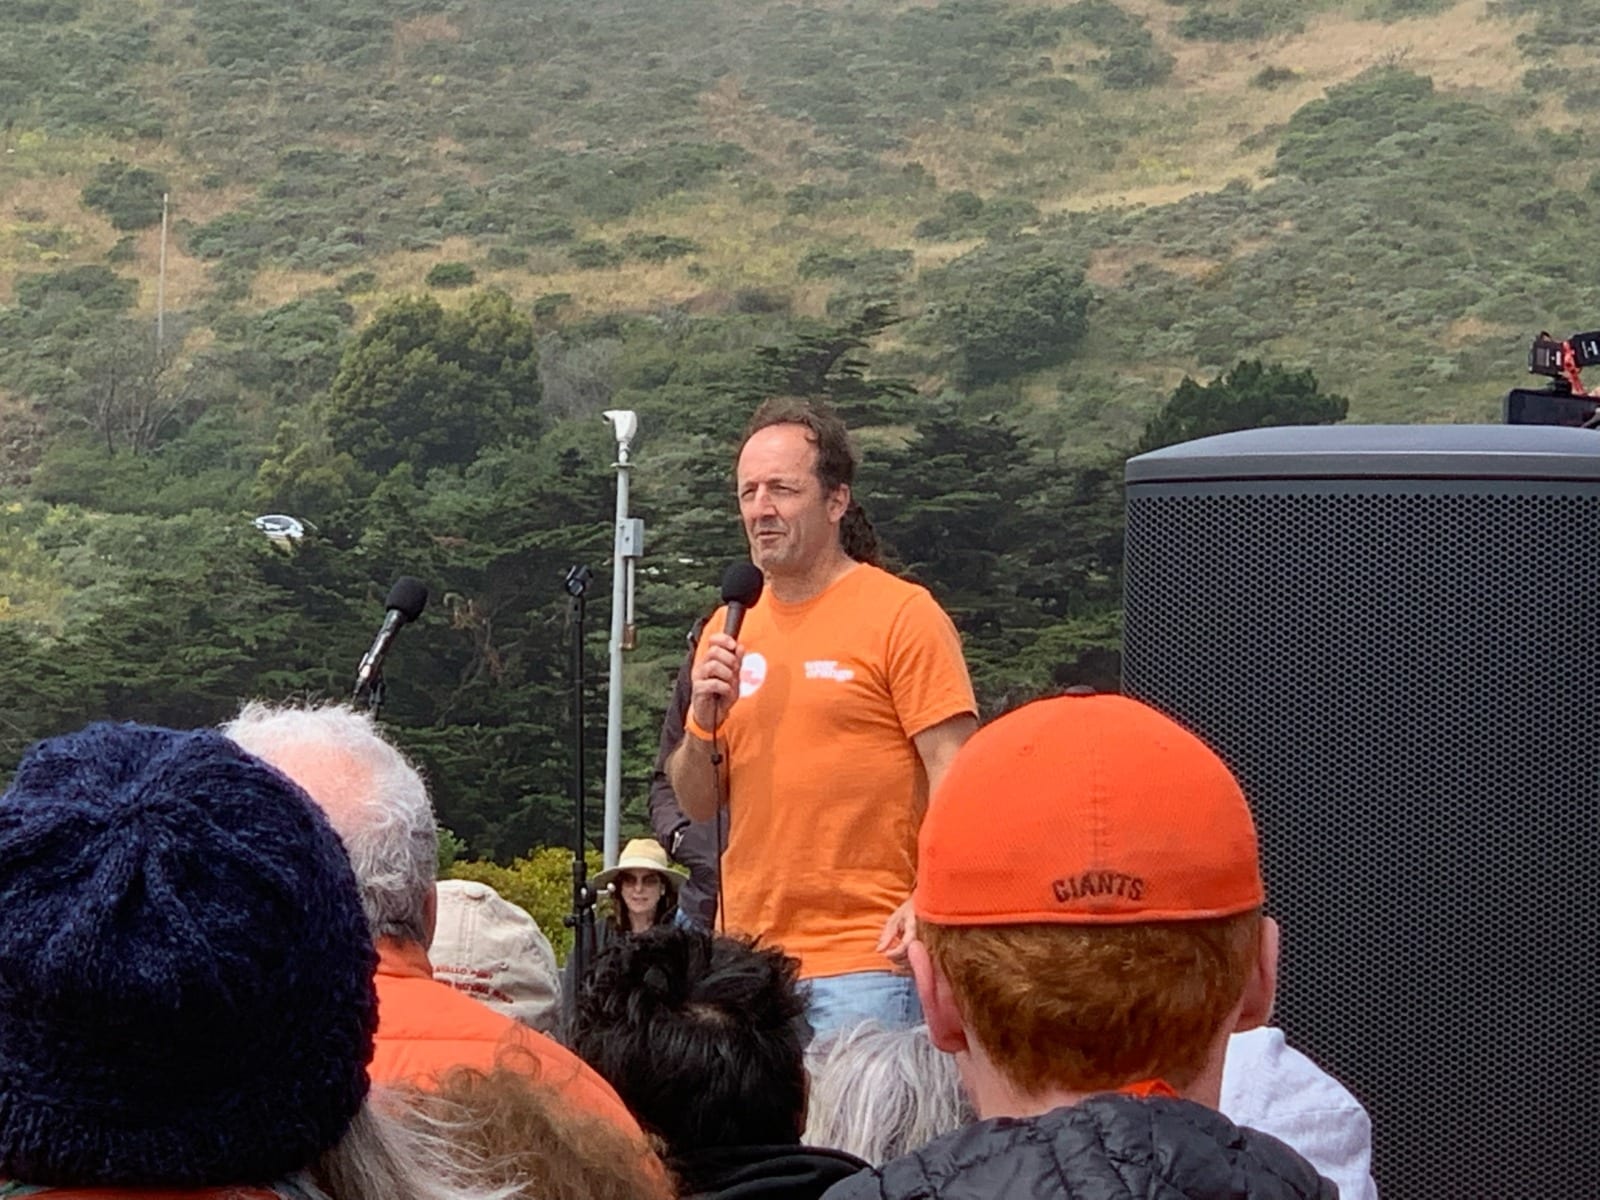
(771, 558)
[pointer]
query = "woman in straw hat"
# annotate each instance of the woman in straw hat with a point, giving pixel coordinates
(643, 887)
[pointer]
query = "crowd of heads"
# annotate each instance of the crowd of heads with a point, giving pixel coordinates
(187, 1000)
(188, 931)
(188, 924)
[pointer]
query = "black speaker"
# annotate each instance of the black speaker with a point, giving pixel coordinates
(1392, 634)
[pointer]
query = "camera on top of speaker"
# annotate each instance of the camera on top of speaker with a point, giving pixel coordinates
(1564, 401)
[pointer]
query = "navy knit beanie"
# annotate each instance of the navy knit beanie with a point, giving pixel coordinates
(186, 993)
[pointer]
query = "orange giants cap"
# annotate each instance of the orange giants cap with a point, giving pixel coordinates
(1086, 810)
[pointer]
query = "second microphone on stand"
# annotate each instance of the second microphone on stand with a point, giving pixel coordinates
(405, 602)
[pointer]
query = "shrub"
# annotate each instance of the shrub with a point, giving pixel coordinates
(550, 232)
(1246, 21)
(958, 213)
(858, 263)
(1006, 214)
(1134, 66)
(70, 75)
(804, 200)
(451, 275)
(357, 282)
(1102, 22)
(44, 12)
(1388, 121)
(759, 300)
(864, 78)
(1391, 10)
(594, 255)
(507, 258)
(130, 196)
(88, 286)
(1271, 77)
(658, 247)
(549, 304)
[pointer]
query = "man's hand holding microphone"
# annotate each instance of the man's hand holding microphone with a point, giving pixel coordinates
(713, 691)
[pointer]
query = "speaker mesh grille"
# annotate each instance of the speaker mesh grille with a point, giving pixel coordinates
(1402, 674)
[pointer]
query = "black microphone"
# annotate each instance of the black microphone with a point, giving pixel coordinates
(741, 588)
(406, 600)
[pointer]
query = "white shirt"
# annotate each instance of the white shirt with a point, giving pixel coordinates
(1270, 1086)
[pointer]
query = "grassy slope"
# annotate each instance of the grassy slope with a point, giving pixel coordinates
(1205, 126)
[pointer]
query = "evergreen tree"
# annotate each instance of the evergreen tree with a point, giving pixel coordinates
(1252, 395)
(1022, 311)
(426, 387)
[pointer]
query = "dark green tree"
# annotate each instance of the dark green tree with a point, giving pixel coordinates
(1024, 554)
(180, 642)
(304, 473)
(1252, 395)
(948, 504)
(1015, 314)
(427, 387)
(482, 694)
(828, 362)
(292, 351)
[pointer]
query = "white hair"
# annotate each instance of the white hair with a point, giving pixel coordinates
(387, 1154)
(879, 1093)
(375, 800)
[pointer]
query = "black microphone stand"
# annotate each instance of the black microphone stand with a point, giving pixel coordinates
(581, 919)
(371, 694)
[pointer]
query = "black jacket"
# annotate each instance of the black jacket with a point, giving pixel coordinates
(691, 844)
(764, 1172)
(1110, 1147)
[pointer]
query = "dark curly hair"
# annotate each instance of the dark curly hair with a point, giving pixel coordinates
(702, 1036)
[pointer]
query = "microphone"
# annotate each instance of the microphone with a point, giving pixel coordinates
(405, 603)
(741, 588)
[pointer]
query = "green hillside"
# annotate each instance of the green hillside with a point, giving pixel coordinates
(418, 245)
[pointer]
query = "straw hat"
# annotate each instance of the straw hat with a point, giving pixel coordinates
(643, 854)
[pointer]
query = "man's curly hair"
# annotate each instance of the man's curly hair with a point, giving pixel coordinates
(702, 1036)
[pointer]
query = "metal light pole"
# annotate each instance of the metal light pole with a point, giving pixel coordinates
(629, 545)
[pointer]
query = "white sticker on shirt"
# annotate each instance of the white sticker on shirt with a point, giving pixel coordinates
(753, 674)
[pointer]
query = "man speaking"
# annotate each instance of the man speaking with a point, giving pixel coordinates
(822, 726)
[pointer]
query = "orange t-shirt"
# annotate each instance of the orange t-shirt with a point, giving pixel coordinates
(826, 790)
(426, 1027)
